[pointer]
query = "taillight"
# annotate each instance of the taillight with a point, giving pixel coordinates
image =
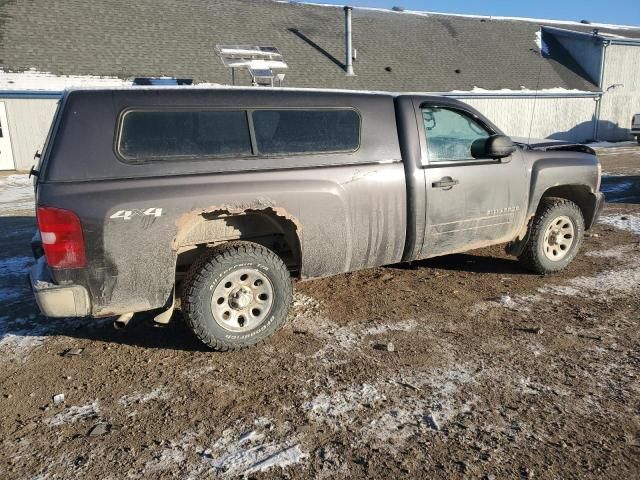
(62, 238)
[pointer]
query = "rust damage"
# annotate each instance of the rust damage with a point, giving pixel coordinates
(187, 222)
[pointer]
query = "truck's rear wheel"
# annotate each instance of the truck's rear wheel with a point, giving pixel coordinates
(555, 237)
(236, 296)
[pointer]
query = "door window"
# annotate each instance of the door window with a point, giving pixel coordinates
(450, 134)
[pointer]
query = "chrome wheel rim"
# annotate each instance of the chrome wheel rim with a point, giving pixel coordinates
(242, 300)
(558, 238)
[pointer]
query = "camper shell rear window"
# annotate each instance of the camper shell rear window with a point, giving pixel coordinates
(164, 134)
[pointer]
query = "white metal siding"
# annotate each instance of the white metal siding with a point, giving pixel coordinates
(558, 118)
(622, 101)
(29, 121)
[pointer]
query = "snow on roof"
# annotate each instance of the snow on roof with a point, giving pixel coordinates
(541, 44)
(34, 80)
(427, 13)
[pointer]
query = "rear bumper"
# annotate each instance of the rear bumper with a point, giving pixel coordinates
(597, 210)
(57, 300)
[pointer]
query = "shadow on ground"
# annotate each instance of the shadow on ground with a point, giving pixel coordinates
(621, 189)
(467, 262)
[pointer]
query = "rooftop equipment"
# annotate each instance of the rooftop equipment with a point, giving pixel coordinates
(162, 81)
(259, 60)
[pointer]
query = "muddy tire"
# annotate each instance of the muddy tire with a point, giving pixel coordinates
(555, 237)
(237, 295)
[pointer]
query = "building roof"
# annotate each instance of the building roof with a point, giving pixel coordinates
(397, 51)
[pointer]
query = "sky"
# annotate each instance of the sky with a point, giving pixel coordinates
(626, 12)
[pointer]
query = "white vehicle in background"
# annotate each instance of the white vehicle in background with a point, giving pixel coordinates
(635, 127)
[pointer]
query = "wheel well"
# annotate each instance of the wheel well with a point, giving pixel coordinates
(579, 194)
(266, 227)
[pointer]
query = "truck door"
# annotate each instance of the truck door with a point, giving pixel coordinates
(470, 203)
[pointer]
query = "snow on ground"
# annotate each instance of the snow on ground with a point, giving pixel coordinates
(19, 337)
(241, 455)
(630, 223)
(16, 193)
(240, 451)
(620, 252)
(335, 408)
(75, 413)
(613, 144)
(15, 265)
(621, 186)
(160, 393)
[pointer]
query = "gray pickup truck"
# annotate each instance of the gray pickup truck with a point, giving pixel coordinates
(220, 197)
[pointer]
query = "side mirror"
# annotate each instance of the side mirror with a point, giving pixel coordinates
(493, 147)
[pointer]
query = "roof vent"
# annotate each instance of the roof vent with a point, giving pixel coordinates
(586, 22)
(397, 9)
(259, 60)
(162, 81)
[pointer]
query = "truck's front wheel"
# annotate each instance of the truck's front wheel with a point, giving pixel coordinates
(236, 296)
(555, 237)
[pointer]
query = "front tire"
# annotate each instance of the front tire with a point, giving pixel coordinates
(556, 234)
(236, 296)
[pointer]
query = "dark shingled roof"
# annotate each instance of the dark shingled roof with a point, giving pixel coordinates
(127, 38)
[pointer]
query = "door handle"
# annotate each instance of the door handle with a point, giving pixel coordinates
(445, 182)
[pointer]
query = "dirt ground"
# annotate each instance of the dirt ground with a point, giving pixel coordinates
(493, 372)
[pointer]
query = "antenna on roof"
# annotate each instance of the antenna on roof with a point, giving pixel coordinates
(541, 52)
(259, 60)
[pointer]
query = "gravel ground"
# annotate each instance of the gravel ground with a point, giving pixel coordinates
(457, 367)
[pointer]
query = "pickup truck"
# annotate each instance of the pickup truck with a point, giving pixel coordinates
(220, 197)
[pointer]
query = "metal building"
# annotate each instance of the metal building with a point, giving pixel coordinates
(564, 80)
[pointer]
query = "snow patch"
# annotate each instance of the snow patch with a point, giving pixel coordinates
(403, 326)
(15, 265)
(541, 44)
(243, 454)
(630, 223)
(19, 337)
(523, 90)
(620, 252)
(626, 280)
(333, 408)
(74, 414)
(160, 393)
(34, 79)
(625, 143)
(518, 303)
(16, 193)
(619, 186)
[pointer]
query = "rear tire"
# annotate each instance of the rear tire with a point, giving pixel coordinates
(237, 295)
(556, 234)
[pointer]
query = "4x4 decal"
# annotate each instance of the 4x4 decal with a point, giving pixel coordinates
(129, 214)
